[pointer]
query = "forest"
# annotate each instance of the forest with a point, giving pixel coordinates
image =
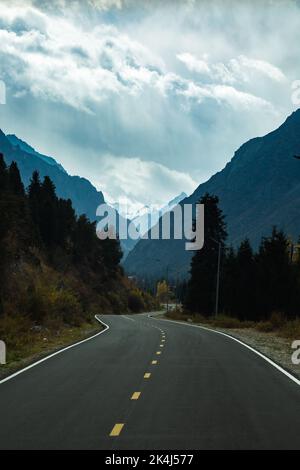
(254, 284)
(55, 273)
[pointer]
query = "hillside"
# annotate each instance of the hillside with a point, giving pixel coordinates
(258, 188)
(84, 196)
(55, 273)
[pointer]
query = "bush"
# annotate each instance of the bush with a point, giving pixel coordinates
(265, 327)
(291, 329)
(277, 320)
(222, 321)
(136, 302)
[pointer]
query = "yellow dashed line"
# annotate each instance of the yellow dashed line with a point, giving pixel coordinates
(158, 353)
(116, 430)
(154, 362)
(147, 375)
(136, 396)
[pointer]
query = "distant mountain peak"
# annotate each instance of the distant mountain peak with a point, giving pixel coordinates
(258, 188)
(177, 199)
(21, 144)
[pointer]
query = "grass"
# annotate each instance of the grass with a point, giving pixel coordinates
(277, 324)
(26, 343)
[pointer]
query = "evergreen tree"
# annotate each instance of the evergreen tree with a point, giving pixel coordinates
(3, 173)
(66, 221)
(112, 254)
(48, 213)
(229, 283)
(277, 281)
(246, 282)
(201, 291)
(34, 195)
(14, 180)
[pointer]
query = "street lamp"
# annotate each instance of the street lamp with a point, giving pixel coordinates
(218, 275)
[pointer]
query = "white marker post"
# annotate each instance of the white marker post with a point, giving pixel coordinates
(2, 353)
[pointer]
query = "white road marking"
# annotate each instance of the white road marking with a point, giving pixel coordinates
(279, 368)
(128, 318)
(56, 353)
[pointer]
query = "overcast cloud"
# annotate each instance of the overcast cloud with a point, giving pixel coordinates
(146, 99)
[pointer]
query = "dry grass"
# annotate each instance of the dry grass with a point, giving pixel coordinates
(26, 343)
(277, 323)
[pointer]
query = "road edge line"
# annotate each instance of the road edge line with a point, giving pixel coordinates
(267, 359)
(15, 374)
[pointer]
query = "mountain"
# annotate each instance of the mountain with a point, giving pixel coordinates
(16, 142)
(83, 194)
(258, 188)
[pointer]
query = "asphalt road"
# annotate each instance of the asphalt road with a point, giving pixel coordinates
(205, 392)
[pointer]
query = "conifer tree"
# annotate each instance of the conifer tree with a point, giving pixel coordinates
(14, 180)
(277, 282)
(201, 289)
(3, 173)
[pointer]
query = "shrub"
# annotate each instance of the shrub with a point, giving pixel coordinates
(136, 302)
(222, 321)
(291, 329)
(277, 320)
(265, 327)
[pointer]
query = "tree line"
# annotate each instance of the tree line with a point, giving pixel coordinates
(253, 285)
(37, 228)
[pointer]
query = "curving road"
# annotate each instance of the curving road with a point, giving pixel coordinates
(204, 391)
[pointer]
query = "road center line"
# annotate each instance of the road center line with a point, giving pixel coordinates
(147, 375)
(136, 396)
(116, 430)
(233, 338)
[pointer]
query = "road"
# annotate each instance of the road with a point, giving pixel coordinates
(204, 391)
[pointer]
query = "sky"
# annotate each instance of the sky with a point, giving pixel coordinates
(146, 98)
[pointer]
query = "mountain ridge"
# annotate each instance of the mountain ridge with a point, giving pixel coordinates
(258, 188)
(84, 196)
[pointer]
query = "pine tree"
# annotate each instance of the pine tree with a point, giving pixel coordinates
(246, 283)
(15, 182)
(201, 289)
(229, 283)
(48, 213)
(66, 220)
(277, 282)
(34, 195)
(3, 173)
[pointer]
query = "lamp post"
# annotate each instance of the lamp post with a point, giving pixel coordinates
(218, 275)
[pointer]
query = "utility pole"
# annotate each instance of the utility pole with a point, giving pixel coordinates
(218, 279)
(218, 274)
(167, 289)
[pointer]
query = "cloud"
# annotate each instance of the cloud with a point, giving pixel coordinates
(194, 64)
(106, 4)
(140, 182)
(158, 86)
(238, 69)
(58, 61)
